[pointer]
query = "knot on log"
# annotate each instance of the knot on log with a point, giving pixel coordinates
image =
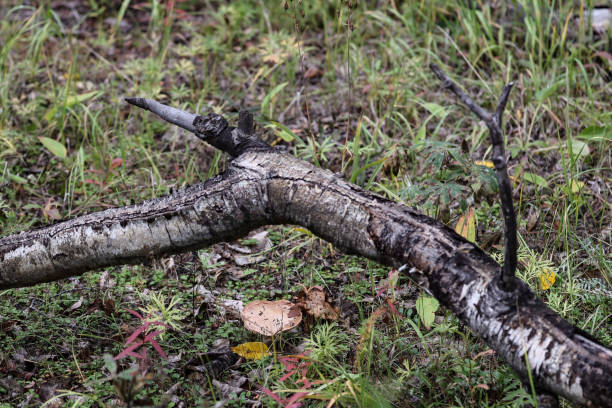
(210, 126)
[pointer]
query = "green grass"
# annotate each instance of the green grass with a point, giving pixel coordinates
(371, 110)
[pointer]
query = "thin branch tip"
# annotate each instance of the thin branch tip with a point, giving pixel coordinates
(436, 70)
(140, 102)
(503, 100)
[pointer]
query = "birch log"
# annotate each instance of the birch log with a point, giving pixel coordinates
(261, 187)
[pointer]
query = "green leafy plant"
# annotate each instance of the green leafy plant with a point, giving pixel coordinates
(327, 342)
(162, 315)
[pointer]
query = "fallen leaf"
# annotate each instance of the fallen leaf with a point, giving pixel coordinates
(116, 163)
(483, 386)
(226, 390)
(252, 351)
(261, 240)
(109, 306)
(426, 307)
(313, 72)
(312, 300)
(244, 260)
(466, 226)
(246, 252)
(49, 210)
(76, 304)
(532, 217)
(535, 179)
(231, 308)
(576, 186)
(547, 278)
(486, 163)
(488, 352)
(105, 281)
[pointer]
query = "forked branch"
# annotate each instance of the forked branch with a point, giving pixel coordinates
(494, 123)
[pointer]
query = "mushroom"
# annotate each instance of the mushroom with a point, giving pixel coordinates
(271, 317)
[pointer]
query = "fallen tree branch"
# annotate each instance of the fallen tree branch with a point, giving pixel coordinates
(263, 186)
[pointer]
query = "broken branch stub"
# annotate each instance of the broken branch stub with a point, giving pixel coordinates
(215, 130)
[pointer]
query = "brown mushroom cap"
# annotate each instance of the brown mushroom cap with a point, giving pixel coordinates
(271, 317)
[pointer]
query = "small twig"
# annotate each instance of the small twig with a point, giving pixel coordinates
(494, 123)
(175, 116)
(298, 35)
(349, 28)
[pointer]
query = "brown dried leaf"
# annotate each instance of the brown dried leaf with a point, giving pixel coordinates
(312, 300)
(532, 218)
(76, 304)
(106, 282)
(50, 211)
(246, 253)
(313, 72)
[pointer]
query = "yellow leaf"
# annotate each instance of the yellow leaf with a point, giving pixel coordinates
(466, 226)
(547, 278)
(576, 186)
(75, 76)
(273, 58)
(252, 351)
(302, 230)
(486, 163)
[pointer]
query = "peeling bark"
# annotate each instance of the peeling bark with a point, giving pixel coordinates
(263, 186)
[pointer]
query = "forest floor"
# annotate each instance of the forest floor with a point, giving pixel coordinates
(344, 85)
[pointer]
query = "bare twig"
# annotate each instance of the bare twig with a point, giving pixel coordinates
(175, 116)
(494, 123)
